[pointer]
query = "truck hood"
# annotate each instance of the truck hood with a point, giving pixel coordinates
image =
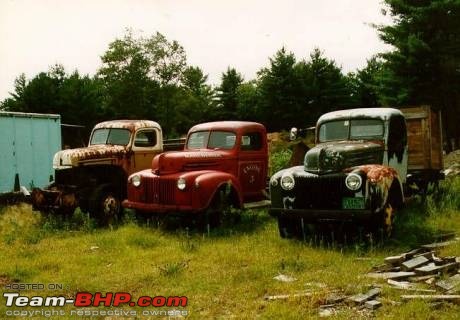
(75, 157)
(335, 156)
(177, 161)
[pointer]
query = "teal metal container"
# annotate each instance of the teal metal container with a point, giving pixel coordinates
(28, 142)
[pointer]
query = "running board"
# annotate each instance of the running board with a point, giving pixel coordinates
(258, 204)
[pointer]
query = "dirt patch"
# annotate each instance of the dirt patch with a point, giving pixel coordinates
(4, 280)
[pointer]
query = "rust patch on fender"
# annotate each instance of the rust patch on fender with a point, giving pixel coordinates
(377, 173)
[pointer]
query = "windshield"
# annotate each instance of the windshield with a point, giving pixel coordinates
(358, 129)
(110, 136)
(211, 140)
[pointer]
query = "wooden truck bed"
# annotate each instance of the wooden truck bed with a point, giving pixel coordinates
(424, 135)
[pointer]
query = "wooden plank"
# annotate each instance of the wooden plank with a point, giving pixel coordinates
(449, 283)
(429, 255)
(363, 297)
(437, 245)
(395, 259)
(288, 296)
(432, 268)
(391, 275)
(373, 304)
(414, 263)
(432, 297)
(421, 278)
(400, 284)
(413, 252)
(436, 141)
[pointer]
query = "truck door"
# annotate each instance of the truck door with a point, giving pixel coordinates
(252, 164)
(145, 146)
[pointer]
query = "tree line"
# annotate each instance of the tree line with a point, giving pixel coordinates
(149, 78)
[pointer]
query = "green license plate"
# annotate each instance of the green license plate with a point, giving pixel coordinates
(353, 203)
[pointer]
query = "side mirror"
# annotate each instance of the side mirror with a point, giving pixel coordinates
(293, 134)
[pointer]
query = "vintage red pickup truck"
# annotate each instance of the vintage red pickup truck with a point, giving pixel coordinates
(223, 163)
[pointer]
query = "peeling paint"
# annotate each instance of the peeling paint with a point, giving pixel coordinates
(381, 179)
(380, 113)
(377, 173)
(75, 157)
(131, 125)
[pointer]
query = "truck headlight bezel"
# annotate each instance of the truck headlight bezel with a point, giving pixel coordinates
(274, 182)
(136, 180)
(353, 181)
(181, 184)
(287, 182)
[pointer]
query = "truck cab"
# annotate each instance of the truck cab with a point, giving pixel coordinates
(226, 159)
(94, 177)
(355, 172)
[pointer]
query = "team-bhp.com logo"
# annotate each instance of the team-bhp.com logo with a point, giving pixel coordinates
(86, 299)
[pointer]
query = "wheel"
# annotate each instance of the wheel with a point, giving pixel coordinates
(289, 228)
(105, 205)
(221, 210)
(388, 217)
(384, 222)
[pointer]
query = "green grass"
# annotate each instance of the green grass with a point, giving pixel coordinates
(225, 274)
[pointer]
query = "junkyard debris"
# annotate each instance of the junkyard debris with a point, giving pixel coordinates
(284, 278)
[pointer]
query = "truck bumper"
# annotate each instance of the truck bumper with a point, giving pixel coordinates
(53, 200)
(157, 208)
(313, 216)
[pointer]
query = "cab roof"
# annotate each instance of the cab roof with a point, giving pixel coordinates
(227, 125)
(131, 125)
(379, 113)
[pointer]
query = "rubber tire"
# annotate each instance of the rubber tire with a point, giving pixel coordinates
(383, 226)
(220, 211)
(105, 205)
(289, 228)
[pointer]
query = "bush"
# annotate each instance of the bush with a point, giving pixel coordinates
(279, 160)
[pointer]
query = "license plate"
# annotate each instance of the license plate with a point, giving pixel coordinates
(353, 203)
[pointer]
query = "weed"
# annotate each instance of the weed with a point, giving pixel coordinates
(188, 244)
(292, 264)
(173, 269)
(78, 221)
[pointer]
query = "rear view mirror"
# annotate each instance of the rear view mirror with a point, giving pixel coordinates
(293, 134)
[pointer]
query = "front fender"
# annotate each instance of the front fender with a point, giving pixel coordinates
(382, 182)
(208, 183)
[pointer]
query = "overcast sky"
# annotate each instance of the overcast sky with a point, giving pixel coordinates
(36, 34)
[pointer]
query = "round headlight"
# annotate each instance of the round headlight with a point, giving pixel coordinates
(353, 181)
(181, 184)
(287, 182)
(136, 180)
